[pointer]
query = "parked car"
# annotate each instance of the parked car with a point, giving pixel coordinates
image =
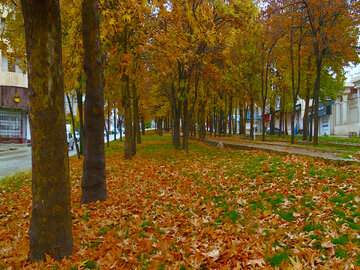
(70, 140)
(276, 131)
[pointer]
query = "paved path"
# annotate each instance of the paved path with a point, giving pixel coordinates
(329, 157)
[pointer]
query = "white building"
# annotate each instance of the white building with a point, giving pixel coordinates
(346, 110)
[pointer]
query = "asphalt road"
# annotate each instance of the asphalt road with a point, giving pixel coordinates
(15, 161)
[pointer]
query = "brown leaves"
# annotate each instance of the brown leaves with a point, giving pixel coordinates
(209, 208)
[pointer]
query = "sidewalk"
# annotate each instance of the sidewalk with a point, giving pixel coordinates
(327, 155)
(13, 148)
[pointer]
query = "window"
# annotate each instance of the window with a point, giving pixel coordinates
(4, 64)
(10, 124)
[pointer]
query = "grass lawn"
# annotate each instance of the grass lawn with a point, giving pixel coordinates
(326, 139)
(209, 209)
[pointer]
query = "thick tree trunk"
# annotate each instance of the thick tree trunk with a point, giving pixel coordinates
(73, 126)
(93, 181)
(50, 225)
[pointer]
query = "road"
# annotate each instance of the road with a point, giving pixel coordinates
(18, 160)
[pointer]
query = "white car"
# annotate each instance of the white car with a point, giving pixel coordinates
(70, 140)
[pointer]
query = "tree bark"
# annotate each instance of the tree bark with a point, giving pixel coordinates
(230, 114)
(81, 117)
(307, 100)
(134, 119)
(120, 126)
(186, 124)
(272, 120)
(50, 225)
(316, 100)
(159, 126)
(93, 181)
(142, 125)
(108, 126)
(252, 118)
(115, 124)
(136, 115)
(127, 118)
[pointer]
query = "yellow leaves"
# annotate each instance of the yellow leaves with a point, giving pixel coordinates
(126, 18)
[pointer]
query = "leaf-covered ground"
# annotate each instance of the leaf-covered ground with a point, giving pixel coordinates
(210, 209)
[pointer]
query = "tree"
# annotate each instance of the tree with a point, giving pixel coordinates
(332, 27)
(93, 180)
(50, 226)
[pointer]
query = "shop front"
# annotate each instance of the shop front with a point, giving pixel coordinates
(14, 104)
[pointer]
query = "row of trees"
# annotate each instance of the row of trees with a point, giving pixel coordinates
(179, 61)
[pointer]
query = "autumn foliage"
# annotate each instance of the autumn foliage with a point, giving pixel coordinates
(211, 208)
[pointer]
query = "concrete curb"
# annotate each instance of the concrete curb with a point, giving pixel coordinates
(9, 152)
(328, 159)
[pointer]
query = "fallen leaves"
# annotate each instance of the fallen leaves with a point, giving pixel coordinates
(211, 208)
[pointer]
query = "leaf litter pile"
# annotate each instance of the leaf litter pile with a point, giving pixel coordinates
(210, 209)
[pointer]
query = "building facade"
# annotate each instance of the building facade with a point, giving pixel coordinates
(346, 109)
(14, 103)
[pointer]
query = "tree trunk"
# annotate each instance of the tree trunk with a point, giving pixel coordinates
(241, 123)
(311, 123)
(211, 122)
(127, 118)
(281, 129)
(316, 99)
(50, 225)
(202, 121)
(120, 126)
(136, 115)
(142, 125)
(115, 124)
(307, 100)
(272, 120)
(73, 126)
(159, 126)
(186, 125)
(176, 112)
(230, 114)
(252, 118)
(285, 122)
(108, 126)
(93, 181)
(235, 121)
(134, 119)
(81, 117)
